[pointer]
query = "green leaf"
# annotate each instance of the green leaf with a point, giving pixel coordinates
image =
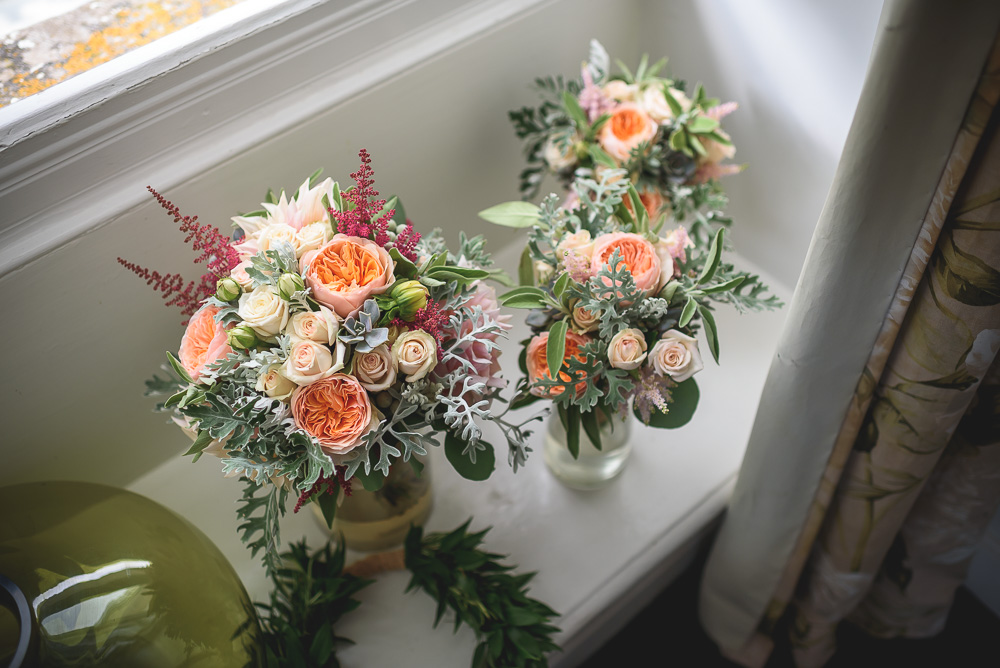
(480, 470)
(700, 125)
(731, 284)
(683, 402)
(555, 347)
(328, 505)
(404, 267)
(523, 297)
(573, 431)
(672, 102)
(200, 443)
(574, 110)
(715, 136)
(512, 214)
(463, 274)
(669, 290)
(639, 210)
(314, 177)
(601, 157)
(178, 368)
(560, 286)
(711, 331)
(714, 257)
(372, 482)
(690, 307)
(526, 268)
(591, 426)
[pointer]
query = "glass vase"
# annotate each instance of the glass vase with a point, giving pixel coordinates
(96, 576)
(380, 520)
(593, 468)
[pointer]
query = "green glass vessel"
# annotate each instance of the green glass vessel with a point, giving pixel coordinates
(105, 577)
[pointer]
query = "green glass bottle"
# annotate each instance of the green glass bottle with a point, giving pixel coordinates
(111, 578)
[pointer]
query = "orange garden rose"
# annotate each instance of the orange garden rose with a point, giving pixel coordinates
(538, 366)
(204, 342)
(628, 127)
(335, 410)
(652, 202)
(347, 271)
(637, 253)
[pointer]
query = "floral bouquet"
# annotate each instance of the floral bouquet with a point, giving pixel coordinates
(671, 145)
(329, 343)
(616, 300)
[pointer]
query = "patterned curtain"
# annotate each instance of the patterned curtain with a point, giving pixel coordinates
(901, 517)
(871, 509)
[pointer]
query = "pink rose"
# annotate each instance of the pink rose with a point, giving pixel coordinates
(347, 271)
(637, 254)
(203, 343)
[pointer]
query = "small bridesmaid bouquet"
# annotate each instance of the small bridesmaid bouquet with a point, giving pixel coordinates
(616, 300)
(327, 347)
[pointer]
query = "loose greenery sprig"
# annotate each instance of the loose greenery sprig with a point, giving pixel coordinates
(513, 630)
(309, 595)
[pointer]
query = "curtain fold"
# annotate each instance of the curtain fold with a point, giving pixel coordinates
(905, 156)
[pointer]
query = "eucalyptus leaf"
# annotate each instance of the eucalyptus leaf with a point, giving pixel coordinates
(512, 214)
(714, 257)
(481, 469)
(711, 331)
(690, 308)
(555, 347)
(526, 268)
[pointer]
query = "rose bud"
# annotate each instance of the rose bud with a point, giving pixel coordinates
(289, 284)
(410, 297)
(227, 289)
(242, 337)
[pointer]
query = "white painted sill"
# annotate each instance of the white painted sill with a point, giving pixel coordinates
(601, 556)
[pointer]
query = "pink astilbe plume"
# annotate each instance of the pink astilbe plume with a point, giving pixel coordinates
(652, 391)
(360, 221)
(714, 170)
(431, 319)
(215, 249)
(406, 242)
(592, 99)
(720, 111)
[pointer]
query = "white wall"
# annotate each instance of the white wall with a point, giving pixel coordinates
(796, 69)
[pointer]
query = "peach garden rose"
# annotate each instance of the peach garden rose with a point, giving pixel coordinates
(309, 362)
(628, 127)
(627, 349)
(347, 271)
(336, 411)
(637, 254)
(204, 342)
(538, 366)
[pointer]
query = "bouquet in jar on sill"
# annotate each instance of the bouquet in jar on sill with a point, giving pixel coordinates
(616, 300)
(669, 140)
(329, 343)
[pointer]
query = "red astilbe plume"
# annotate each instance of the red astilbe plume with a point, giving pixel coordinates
(431, 319)
(215, 248)
(406, 242)
(325, 485)
(360, 221)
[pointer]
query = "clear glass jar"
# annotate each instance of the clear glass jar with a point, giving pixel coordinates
(594, 468)
(375, 521)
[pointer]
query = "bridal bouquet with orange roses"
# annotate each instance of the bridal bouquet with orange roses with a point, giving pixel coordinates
(616, 300)
(669, 140)
(330, 341)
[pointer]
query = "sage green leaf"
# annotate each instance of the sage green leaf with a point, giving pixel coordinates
(454, 448)
(555, 347)
(573, 431)
(601, 157)
(404, 267)
(591, 427)
(178, 368)
(714, 257)
(370, 481)
(672, 102)
(711, 332)
(560, 286)
(526, 268)
(328, 506)
(574, 110)
(700, 125)
(731, 284)
(690, 308)
(683, 402)
(200, 443)
(314, 177)
(512, 214)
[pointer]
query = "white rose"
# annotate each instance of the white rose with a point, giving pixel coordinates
(627, 349)
(240, 275)
(578, 242)
(667, 267)
(415, 353)
(584, 320)
(376, 370)
(270, 236)
(557, 157)
(621, 91)
(655, 104)
(264, 310)
(676, 355)
(309, 361)
(320, 326)
(273, 384)
(312, 237)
